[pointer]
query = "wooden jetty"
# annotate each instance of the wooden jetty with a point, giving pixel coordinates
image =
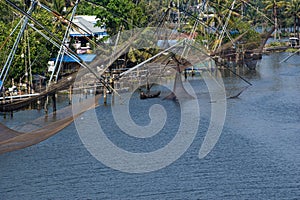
(17, 97)
(16, 104)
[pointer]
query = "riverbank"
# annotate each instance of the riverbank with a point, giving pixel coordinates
(283, 45)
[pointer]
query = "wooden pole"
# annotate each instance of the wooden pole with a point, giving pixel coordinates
(54, 102)
(104, 95)
(70, 94)
(3, 93)
(45, 102)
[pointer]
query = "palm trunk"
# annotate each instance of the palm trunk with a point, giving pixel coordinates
(298, 26)
(276, 22)
(295, 24)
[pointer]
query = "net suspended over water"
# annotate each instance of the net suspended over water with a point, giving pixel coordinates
(158, 69)
(40, 129)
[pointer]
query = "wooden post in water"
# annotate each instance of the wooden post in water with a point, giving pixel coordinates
(104, 95)
(105, 90)
(3, 93)
(113, 91)
(38, 102)
(46, 105)
(70, 94)
(54, 102)
(237, 61)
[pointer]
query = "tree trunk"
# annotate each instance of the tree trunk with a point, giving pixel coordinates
(298, 26)
(295, 24)
(276, 22)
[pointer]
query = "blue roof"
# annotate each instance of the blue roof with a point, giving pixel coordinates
(85, 57)
(87, 35)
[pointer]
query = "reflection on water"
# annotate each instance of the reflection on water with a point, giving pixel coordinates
(257, 156)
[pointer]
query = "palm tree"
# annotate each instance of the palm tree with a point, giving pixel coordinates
(225, 13)
(58, 6)
(293, 10)
(273, 6)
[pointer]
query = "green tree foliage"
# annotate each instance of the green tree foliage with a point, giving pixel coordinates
(129, 14)
(293, 11)
(215, 17)
(34, 51)
(117, 13)
(273, 6)
(86, 8)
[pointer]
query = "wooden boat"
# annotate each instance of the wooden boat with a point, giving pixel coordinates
(147, 95)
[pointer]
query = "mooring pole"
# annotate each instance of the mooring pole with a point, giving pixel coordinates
(70, 94)
(3, 94)
(113, 91)
(104, 95)
(54, 102)
(46, 105)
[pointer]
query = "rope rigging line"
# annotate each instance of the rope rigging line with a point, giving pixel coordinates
(239, 76)
(11, 33)
(61, 52)
(64, 20)
(256, 9)
(161, 22)
(8, 62)
(228, 8)
(221, 37)
(146, 61)
(70, 21)
(79, 60)
(285, 59)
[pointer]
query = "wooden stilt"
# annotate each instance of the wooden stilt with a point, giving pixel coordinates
(104, 95)
(113, 91)
(70, 94)
(46, 105)
(3, 100)
(54, 102)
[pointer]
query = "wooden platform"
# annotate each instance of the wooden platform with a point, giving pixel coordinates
(16, 104)
(18, 97)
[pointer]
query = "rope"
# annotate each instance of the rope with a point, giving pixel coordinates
(290, 56)
(80, 61)
(258, 11)
(246, 81)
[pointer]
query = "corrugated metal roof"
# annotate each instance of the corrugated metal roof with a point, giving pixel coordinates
(87, 27)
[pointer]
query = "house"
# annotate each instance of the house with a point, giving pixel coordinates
(81, 32)
(71, 64)
(84, 30)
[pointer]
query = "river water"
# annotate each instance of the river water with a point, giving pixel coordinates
(256, 157)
